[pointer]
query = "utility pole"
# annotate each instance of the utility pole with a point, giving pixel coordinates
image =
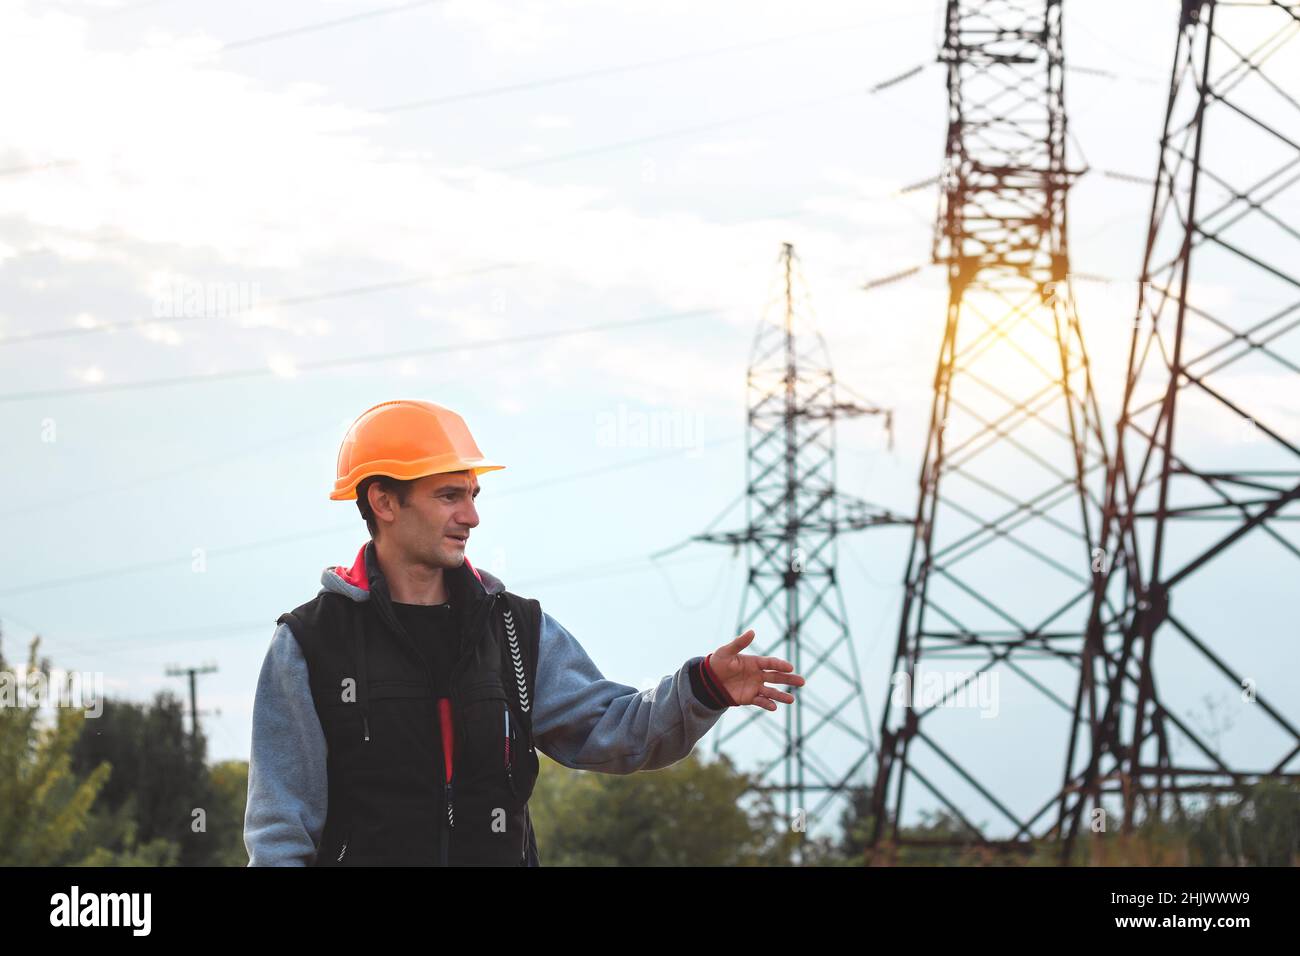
(174, 670)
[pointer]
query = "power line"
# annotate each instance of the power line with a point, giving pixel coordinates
(893, 277)
(673, 133)
(291, 301)
(563, 78)
(707, 127)
(617, 466)
(895, 80)
(584, 572)
(203, 632)
(131, 8)
(168, 638)
(116, 650)
(893, 196)
(609, 569)
(172, 561)
(38, 167)
(18, 338)
(711, 592)
(350, 360)
(177, 560)
(704, 127)
(323, 25)
(275, 444)
(656, 555)
(1105, 74)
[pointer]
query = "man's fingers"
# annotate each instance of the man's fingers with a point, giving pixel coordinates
(773, 694)
(774, 664)
(793, 680)
(741, 642)
(767, 697)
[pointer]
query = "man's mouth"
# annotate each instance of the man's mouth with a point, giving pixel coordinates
(462, 538)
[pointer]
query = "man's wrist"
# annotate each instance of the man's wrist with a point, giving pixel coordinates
(708, 688)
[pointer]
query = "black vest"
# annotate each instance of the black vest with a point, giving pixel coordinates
(390, 802)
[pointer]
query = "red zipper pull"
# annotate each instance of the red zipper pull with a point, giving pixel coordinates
(507, 708)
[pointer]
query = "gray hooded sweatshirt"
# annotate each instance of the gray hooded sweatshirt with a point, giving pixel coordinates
(581, 720)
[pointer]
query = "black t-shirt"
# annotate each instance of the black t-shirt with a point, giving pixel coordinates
(430, 627)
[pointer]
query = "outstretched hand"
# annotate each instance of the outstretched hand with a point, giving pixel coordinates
(745, 676)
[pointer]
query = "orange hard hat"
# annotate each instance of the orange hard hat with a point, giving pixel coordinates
(406, 439)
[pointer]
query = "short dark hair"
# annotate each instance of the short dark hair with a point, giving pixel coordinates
(398, 487)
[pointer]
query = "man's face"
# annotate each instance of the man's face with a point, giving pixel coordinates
(433, 527)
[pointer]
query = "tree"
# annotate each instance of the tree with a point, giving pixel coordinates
(689, 814)
(158, 785)
(44, 804)
(1260, 826)
(229, 789)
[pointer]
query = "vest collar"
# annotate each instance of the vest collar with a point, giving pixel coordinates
(358, 582)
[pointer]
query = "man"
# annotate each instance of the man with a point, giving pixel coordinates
(399, 713)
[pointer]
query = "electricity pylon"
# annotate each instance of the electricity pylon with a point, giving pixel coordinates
(1201, 548)
(998, 585)
(792, 599)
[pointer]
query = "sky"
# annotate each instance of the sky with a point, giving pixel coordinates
(228, 229)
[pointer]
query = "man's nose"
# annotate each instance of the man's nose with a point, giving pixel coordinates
(468, 515)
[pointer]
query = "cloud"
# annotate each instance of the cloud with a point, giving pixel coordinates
(552, 121)
(181, 166)
(730, 148)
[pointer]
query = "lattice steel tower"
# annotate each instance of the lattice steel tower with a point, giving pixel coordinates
(1202, 501)
(998, 584)
(792, 599)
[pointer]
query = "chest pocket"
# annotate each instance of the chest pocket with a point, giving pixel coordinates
(387, 703)
(402, 711)
(495, 752)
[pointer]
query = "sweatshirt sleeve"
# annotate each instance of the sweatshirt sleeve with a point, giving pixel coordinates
(287, 784)
(587, 722)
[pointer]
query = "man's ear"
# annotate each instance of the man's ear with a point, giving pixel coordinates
(379, 498)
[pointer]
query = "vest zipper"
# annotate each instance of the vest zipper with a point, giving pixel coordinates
(451, 822)
(457, 667)
(448, 794)
(342, 851)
